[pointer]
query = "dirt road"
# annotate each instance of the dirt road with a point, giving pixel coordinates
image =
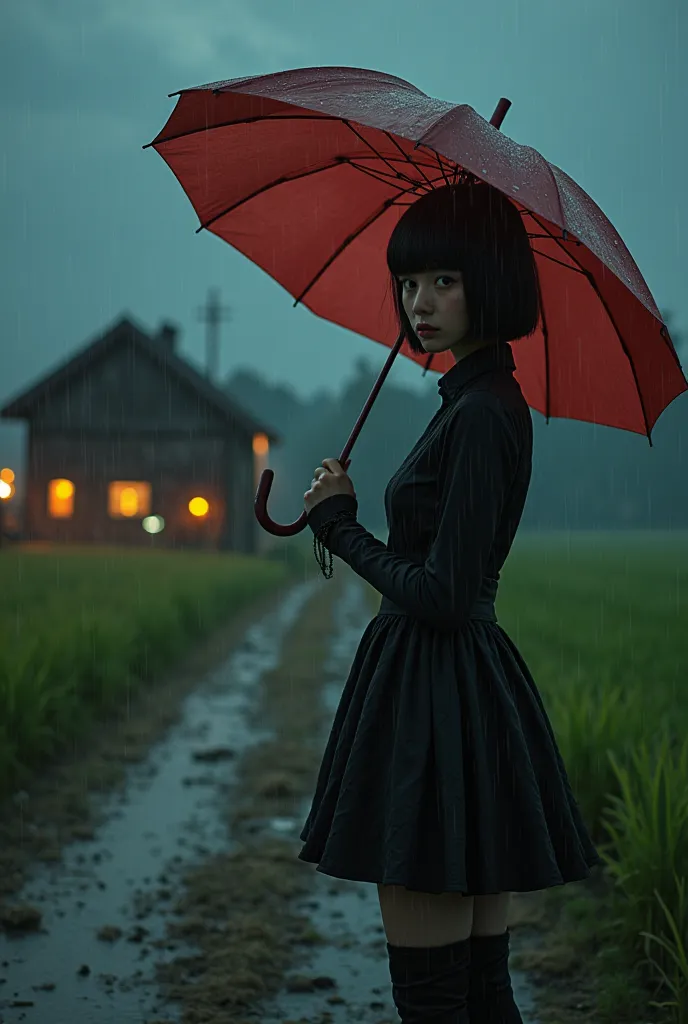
(154, 879)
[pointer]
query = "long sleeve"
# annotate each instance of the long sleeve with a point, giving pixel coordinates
(478, 464)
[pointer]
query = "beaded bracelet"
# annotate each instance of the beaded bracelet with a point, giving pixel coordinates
(320, 539)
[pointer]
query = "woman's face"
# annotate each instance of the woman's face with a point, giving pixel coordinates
(436, 297)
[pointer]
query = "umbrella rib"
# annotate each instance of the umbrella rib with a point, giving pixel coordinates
(441, 167)
(379, 175)
(371, 158)
(406, 156)
(373, 150)
(566, 266)
(534, 234)
(459, 172)
(243, 120)
(264, 188)
(593, 283)
(293, 177)
(347, 241)
(545, 337)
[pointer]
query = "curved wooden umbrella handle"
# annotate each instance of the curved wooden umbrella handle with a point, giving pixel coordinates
(261, 506)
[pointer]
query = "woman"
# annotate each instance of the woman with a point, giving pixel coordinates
(441, 781)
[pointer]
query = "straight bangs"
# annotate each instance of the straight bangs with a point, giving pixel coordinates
(425, 243)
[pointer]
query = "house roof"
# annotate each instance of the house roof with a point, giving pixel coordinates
(125, 331)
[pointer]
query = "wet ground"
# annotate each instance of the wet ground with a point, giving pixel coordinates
(154, 878)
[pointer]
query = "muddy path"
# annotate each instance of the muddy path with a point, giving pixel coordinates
(153, 878)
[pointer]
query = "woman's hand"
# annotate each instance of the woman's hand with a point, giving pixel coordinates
(328, 479)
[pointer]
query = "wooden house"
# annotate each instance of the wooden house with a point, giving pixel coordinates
(129, 444)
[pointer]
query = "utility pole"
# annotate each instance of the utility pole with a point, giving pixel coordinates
(212, 314)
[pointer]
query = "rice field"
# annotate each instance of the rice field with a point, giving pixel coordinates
(82, 628)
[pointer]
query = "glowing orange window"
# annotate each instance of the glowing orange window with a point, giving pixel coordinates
(129, 499)
(261, 444)
(60, 499)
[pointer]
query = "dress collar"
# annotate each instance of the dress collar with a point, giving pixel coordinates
(482, 360)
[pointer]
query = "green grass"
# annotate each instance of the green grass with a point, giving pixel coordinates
(82, 628)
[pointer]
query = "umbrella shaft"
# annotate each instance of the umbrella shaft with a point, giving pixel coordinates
(344, 457)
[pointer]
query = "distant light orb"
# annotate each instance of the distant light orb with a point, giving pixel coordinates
(198, 507)
(5, 489)
(64, 489)
(7, 475)
(153, 524)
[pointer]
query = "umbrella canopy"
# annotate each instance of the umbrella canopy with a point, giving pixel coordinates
(308, 171)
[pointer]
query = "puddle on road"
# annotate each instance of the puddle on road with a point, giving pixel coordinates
(346, 913)
(168, 811)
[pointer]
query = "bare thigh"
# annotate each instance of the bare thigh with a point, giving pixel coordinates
(490, 913)
(422, 918)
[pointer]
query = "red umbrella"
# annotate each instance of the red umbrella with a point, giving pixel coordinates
(307, 172)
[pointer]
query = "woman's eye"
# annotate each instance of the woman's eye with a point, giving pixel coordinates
(443, 277)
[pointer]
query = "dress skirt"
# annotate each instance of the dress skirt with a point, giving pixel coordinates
(441, 772)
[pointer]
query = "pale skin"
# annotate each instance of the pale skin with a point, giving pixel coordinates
(411, 918)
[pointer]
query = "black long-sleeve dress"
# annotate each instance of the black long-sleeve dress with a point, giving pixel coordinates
(442, 772)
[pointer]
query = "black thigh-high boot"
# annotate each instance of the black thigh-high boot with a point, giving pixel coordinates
(490, 996)
(430, 983)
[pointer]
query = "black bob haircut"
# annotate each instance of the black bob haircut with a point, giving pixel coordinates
(475, 229)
